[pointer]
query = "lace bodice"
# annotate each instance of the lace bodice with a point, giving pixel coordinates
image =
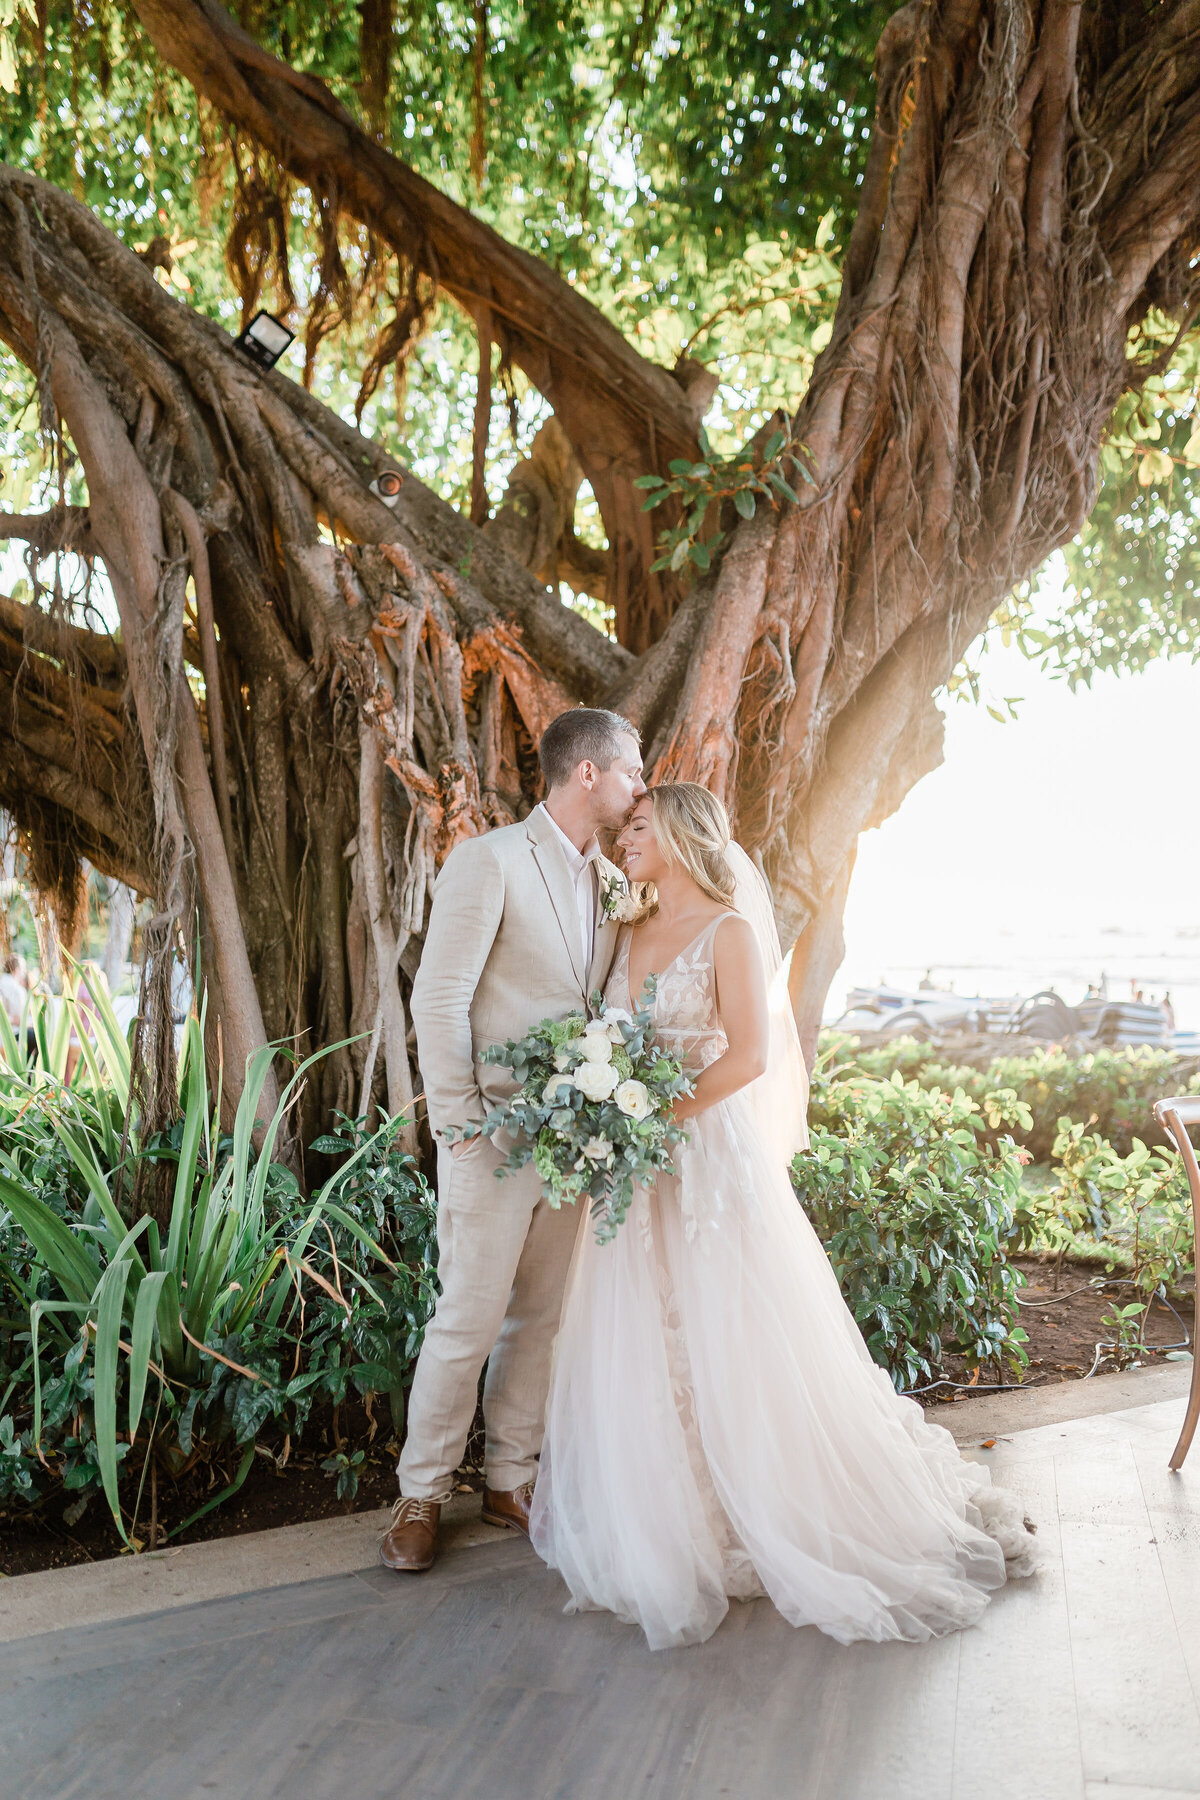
(685, 1004)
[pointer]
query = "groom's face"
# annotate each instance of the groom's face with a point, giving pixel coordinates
(616, 788)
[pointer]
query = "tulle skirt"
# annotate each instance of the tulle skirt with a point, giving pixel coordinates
(716, 1428)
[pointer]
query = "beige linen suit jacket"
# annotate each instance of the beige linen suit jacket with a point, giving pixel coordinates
(502, 953)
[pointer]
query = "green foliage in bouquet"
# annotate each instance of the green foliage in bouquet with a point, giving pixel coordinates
(914, 1201)
(592, 1107)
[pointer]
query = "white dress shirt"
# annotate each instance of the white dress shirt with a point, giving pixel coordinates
(582, 867)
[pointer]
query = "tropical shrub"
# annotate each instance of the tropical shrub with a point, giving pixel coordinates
(1132, 1211)
(914, 1197)
(1112, 1090)
(129, 1341)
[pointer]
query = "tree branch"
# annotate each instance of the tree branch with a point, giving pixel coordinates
(624, 415)
(59, 528)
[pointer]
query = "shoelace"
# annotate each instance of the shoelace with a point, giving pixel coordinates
(414, 1512)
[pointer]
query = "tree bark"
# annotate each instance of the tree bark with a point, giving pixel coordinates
(1025, 203)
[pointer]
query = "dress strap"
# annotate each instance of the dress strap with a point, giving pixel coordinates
(710, 930)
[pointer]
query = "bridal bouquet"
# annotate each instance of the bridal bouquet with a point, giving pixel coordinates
(591, 1109)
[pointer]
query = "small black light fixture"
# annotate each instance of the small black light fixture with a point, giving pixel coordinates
(265, 339)
(386, 487)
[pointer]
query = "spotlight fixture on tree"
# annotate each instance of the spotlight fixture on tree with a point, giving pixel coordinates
(386, 487)
(265, 339)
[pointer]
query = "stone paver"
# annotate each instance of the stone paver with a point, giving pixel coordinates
(471, 1682)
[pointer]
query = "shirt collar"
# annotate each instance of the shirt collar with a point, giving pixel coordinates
(576, 859)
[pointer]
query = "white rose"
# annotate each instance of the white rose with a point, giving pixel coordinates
(614, 1018)
(597, 1047)
(562, 1059)
(625, 909)
(596, 1080)
(597, 1148)
(633, 1098)
(556, 1090)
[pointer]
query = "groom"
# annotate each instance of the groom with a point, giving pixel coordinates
(517, 934)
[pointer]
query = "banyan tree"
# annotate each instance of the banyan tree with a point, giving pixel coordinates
(323, 678)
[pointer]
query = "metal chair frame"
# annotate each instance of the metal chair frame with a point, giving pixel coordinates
(1175, 1116)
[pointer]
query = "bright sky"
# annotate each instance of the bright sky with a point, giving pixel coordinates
(1045, 851)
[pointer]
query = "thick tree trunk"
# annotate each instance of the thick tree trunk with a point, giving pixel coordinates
(373, 682)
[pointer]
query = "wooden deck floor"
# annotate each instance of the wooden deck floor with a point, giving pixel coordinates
(1081, 1684)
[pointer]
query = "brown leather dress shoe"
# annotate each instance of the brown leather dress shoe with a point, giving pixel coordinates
(411, 1544)
(509, 1510)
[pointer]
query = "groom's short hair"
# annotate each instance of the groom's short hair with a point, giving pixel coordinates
(585, 734)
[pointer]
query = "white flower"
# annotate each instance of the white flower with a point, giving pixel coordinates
(596, 1043)
(612, 892)
(556, 1090)
(596, 1080)
(614, 1018)
(597, 1149)
(633, 1098)
(562, 1058)
(616, 902)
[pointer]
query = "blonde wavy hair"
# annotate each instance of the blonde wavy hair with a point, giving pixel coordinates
(692, 830)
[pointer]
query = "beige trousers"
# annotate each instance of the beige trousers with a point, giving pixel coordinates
(503, 1256)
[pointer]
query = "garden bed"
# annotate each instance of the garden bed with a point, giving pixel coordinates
(246, 1310)
(34, 1538)
(1065, 1323)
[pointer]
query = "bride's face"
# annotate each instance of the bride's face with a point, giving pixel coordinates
(643, 859)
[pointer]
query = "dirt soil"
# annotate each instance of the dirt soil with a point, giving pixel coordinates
(39, 1537)
(1064, 1320)
(1064, 1317)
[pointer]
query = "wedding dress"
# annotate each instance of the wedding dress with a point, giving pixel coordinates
(715, 1427)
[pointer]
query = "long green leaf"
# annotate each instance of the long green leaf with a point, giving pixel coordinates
(226, 1493)
(110, 1040)
(356, 1230)
(36, 1312)
(58, 1044)
(195, 1113)
(12, 1051)
(257, 1068)
(170, 1336)
(87, 1051)
(110, 1307)
(198, 1302)
(283, 1290)
(198, 1229)
(61, 1249)
(141, 1342)
(85, 1161)
(41, 1036)
(262, 1167)
(252, 1291)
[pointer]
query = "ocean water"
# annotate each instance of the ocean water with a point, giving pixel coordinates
(1044, 853)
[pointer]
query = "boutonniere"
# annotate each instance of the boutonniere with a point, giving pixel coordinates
(616, 902)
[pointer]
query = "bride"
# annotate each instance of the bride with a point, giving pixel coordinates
(715, 1427)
